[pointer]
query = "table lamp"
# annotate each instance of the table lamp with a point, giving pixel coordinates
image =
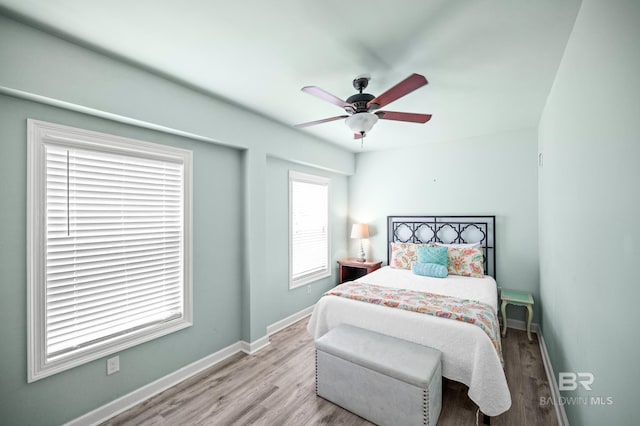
(359, 230)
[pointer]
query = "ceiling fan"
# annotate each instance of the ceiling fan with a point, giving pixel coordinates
(361, 108)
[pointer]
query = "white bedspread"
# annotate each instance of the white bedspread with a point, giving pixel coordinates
(468, 355)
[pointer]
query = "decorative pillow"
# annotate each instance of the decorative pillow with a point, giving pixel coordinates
(403, 255)
(466, 262)
(430, 270)
(433, 254)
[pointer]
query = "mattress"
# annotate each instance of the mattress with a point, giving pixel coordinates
(468, 356)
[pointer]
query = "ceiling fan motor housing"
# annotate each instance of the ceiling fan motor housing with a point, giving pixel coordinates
(360, 101)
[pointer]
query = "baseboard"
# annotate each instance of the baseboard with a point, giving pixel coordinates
(561, 414)
(291, 319)
(255, 346)
(522, 325)
(139, 395)
(115, 407)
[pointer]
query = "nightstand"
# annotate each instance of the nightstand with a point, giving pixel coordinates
(351, 269)
(517, 298)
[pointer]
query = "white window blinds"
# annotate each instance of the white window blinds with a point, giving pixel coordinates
(114, 250)
(309, 228)
(114, 255)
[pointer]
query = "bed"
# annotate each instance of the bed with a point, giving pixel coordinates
(469, 355)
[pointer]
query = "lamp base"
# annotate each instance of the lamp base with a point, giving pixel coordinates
(361, 255)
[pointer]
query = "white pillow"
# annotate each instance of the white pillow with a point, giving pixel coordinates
(469, 245)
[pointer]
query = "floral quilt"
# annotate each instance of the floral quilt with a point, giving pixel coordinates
(469, 311)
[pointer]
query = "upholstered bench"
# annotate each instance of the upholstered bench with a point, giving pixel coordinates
(386, 380)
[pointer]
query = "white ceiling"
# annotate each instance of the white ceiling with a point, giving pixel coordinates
(490, 63)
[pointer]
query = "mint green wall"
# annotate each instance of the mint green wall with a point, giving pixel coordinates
(279, 299)
(231, 147)
(495, 174)
(589, 207)
(217, 215)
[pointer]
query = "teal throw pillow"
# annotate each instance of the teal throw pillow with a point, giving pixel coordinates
(433, 254)
(430, 270)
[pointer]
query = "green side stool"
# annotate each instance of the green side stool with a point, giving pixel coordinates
(517, 298)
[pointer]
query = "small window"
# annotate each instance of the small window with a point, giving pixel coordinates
(109, 245)
(308, 228)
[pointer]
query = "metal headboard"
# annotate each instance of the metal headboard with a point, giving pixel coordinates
(447, 230)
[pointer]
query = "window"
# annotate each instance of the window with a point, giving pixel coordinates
(108, 245)
(308, 228)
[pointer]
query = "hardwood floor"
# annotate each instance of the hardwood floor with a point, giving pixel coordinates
(276, 386)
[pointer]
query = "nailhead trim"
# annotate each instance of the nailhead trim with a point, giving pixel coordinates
(425, 402)
(316, 372)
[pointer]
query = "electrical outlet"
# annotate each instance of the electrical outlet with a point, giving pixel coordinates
(113, 365)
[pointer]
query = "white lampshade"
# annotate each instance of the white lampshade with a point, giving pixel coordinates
(361, 122)
(359, 230)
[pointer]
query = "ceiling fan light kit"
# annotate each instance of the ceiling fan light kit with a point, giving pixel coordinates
(361, 123)
(361, 106)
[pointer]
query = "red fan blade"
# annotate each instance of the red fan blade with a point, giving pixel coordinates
(325, 120)
(404, 116)
(406, 86)
(323, 94)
